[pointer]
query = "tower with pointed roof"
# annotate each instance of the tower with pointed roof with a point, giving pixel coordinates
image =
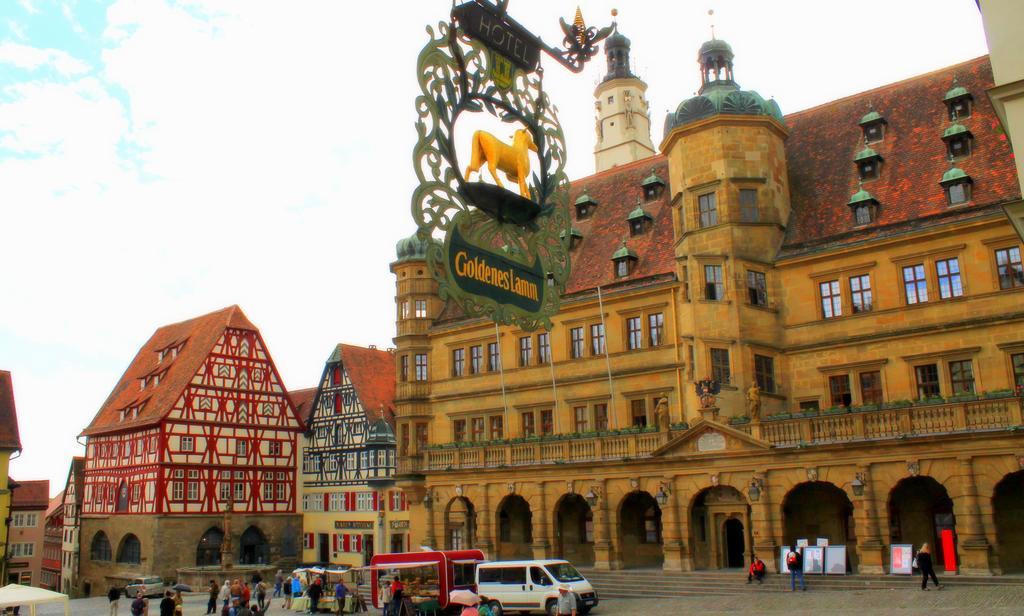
(623, 121)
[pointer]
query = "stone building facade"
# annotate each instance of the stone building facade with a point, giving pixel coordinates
(846, 279)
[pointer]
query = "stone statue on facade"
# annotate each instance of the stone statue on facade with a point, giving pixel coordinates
(629, 110)
(661, 418)
(226, 553)
(754, 402)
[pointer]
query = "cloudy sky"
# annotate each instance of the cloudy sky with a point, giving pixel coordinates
(163, 158)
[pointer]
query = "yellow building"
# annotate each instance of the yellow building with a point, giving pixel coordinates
(10, 442)
(845, 276)
(351, 509)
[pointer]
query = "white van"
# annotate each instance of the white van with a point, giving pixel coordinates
(531, 586)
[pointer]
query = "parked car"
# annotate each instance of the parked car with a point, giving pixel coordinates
(150, 587)
(531, 586)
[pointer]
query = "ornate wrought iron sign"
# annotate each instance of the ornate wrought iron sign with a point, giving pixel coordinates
(498, 249)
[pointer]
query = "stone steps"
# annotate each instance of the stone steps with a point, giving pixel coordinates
(662, 584)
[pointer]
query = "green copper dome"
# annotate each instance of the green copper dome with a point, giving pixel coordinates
(871, 117)
(715, 47)
(954, 175)
(866, 154)
(955, 129)
(623, 252)
(411, 248)
(955, 93)
(639, 212)
(861, 196)
(380, 433)
(654, 178)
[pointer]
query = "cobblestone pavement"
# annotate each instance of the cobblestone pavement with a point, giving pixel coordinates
(973, 600)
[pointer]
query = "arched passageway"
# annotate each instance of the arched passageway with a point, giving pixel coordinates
(515, 528)
(253, 547)
(459, 524)
(574, 530)
(208, 550)
(640, 542)
(920, 511)
(720, 528)
(1008, 510)
(819, 509)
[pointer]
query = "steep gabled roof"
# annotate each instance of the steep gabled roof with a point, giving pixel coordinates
(33, 494)
(372, 373)
(9, 435)
(302, 400)
(824, 141)
(196, 338)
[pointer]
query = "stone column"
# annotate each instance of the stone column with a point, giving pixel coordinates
(871, 545)
(604, 551)
(974, 547)
(430, 536)
(671, 533)
(485, 524)
(766, 543)
(541, 521)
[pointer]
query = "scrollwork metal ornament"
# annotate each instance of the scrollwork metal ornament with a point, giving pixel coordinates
(455, 77)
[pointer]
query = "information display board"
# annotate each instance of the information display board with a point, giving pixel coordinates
(835, 560)
(901, 559)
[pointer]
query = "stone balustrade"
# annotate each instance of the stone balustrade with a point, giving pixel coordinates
(805, 431)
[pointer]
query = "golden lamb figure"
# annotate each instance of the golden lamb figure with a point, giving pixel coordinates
(511, 159)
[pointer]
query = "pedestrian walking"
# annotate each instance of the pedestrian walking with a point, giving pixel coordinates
(397, 591)
(139, 605)
(167, 604)
(795, 564)
(925, 566)
(261, 595)
(385, 593)
(757, 570)
(179, 601)
(225, 594)
(214, 590)
(246, 595)
(286, 590)
(566, 605)
(340, 592)
(113, 595)
(278, 583)
(314, 592)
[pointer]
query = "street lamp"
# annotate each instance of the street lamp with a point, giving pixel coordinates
(858, 484)
(590, 497)
(754, 490)
(426, 499)
(661, 496)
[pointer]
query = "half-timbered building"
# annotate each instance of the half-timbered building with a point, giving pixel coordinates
(72, 496)
(199, 423)
(348, 459)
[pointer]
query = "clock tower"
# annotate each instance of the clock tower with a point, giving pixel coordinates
(623, 121)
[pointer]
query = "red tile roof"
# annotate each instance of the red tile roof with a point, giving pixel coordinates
(199, 335)
(372, 372)
(76, 470)
(55, 503)
(301, 400)
(31, 494)
(616, 191)
(824, 140)
(9, 436)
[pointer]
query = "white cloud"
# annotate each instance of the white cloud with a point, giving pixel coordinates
(32, 58)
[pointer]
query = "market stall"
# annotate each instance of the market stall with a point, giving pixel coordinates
(329, 577)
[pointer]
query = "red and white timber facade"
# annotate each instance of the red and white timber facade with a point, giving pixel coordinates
(199, 422)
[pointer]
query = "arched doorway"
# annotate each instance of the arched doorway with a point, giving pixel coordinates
(253, 547)
(719, 528)
(515, 528)
(919, 511)
(1008, 509)
(459, 524)
(735, 545)
(640, 542)
(820, 509)
(574, 530)
(208, 550)
(129, 552)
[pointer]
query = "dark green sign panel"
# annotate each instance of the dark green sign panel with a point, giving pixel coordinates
(489, 274)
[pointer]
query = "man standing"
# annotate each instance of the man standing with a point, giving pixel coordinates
(314, 592)
(795, 564)
(139, 605)
(113, 595)
(566, 601)
(167, 604)
(214, 592)
(339, 596)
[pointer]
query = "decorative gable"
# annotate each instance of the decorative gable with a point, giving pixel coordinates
(709, 437)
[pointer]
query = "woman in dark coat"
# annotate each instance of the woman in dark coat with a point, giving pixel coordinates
(924, 564)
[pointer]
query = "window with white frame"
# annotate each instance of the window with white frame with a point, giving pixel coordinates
(364, 501)
(188, 443)
(22, 519)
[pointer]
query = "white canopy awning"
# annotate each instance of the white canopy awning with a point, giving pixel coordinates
(28, 596)
(390, 566)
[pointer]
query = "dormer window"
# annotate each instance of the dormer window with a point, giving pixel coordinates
(652, 186)
(864, 207)
(868, 164)
(575, 237)
(639, 220)
(958, 141)
(624, 261)
(873, 125)
(584, 206)
(957, 185)
(958, 102)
